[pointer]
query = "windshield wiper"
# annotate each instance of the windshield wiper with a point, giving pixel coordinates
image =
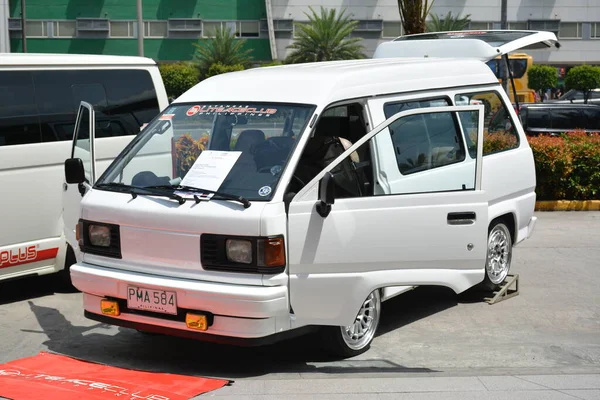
(135, 190)
(183, 188)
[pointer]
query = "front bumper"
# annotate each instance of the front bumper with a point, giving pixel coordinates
(237, 311)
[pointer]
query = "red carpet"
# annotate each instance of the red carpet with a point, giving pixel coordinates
(51, 377)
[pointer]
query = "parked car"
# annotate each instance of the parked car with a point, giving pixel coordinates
(576, 96)
(39, 100)
(553, 118)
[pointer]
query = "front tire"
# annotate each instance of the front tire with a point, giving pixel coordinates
(499, 256)
(355, 339)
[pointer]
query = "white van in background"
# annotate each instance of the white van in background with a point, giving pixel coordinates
(39, 99)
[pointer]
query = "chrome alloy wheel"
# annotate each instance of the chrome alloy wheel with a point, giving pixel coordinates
(361, 332)
(499, 254)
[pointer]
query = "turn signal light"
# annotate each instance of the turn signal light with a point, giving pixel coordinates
(274, 252)
(196, 321)
(110, 307)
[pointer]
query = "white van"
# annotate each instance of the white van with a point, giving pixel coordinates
(39, 100)
(268, 202)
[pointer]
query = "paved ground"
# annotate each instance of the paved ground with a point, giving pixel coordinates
(542, 344)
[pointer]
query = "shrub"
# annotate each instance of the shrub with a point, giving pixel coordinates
(584, 78)
(178, 77)
(218, 68)
(542, 77)
(567, 166)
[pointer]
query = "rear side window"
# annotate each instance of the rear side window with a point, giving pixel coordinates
(124, 100)
(41, 106)
(19, 122)
(499, 132)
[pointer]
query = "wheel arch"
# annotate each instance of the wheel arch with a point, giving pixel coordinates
(509, 219)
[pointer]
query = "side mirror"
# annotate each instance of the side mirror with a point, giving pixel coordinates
(74, 172)
(326, 195)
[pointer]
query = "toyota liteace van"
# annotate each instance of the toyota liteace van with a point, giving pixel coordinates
(39, 100)
(273, 201)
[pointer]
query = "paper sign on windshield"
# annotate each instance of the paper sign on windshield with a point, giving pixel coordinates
(210, 169)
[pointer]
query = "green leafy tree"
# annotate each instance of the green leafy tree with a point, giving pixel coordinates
(413, 14)
(584, 78)
(542, 77)
(448, 23)
(218, 68)
(325, 38)
(178, 77)
(223, 49)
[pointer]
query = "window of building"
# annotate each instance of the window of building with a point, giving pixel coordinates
(570, 30)
(92, 25)
(369, 25)
(595, 34)
(282, 25)
(550, 25)
(64, 28)
(156, 29)
(36, 29)
(480, 25)
(249, 29)
(297, 30)
(391, 29)
(239, 28)
(121, 29)
(517, 26)
(185, 25)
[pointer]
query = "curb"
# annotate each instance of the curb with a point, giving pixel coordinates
(568, 205)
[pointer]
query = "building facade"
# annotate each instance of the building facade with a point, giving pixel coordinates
(109, 26)
(576, 22)
(172, 26)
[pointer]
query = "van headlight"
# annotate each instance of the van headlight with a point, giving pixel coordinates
(99, 235)
(239, 251)
(99, 238)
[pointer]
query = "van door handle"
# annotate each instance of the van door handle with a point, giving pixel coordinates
(461, 218)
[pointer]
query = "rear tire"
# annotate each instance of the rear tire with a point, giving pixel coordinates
(355, 339)
(499, 256)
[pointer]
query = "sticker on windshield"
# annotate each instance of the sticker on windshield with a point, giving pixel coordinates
(193, 111)
(231, 110)
(166, 116)
(264, 191)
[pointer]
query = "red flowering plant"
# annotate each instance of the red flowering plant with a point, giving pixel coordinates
(567, 166)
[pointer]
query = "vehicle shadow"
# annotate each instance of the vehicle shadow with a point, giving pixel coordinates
(128, 348)
(414, 305)
(12, 291)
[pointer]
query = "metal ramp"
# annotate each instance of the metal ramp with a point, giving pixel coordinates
(505, 292)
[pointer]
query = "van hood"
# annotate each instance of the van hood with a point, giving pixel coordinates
(481, 45)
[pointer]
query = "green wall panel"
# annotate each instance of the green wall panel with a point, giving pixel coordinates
(152, 9)
(158, 49)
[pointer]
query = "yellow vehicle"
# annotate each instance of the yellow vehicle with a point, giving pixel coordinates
(519, 64)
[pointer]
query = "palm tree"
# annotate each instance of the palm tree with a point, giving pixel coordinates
(223, 49)
(325, 38)
(448, 23)
(413, 14)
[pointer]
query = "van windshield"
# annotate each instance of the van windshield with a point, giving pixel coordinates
(239, 149)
